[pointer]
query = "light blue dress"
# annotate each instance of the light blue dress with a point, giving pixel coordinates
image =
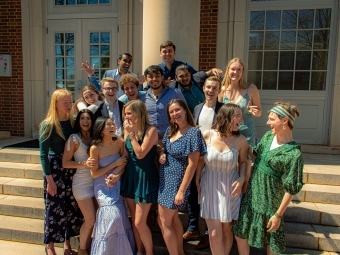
(112, 231)
(247, 127)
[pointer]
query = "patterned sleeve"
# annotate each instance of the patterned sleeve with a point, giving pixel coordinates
(195, 142)
(257, 150)
(165, 139)
(294, 173)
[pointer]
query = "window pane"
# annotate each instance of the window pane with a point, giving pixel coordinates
(69, 38)
(285, 80)
(287, 60)
(102, 71)
(59, 38)
(105, 62)
(269, 80)
(273, 19)
(59, 2)
(301, 81)
(318, 81)
(321, 39)
(94, 37)
(104, 1)
(94, 50)
(59, 74)
(304, 40)
(95, 62)
(59, 50)
(93, 1)
(306, 18)
(69, 74)
(59, 84)
(255, 77)
(256, 20)
(70, 63)
(59, 62)
(69, 50)
(289, 19)
(323, 18)
(81, 1)
(303, 60)
(255, 61)
(272, 40)
(105, 37)
(255, 40)
(288, 40)
(319, 60)
(271, 60)
(70, 85)
(70, 2)
(105, 50)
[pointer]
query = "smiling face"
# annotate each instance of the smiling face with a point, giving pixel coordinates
(211, 90)
(177, 114)
(90, 96)
(168, 54)
(124, 63)
(129, 115)
(236, 120)
(275, 123)
(183, 77)
(64, 105)
(110, 89)
(154, 80)
(109, 129)
(235, 72)
(131, 90)
(85, 122)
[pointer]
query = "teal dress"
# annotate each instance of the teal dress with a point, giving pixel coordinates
(140, 179)
(247, 127)
(275, 172)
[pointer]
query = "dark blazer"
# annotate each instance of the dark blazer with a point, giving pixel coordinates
(103, 110)
(198, 109)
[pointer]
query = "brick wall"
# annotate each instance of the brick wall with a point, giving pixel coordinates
(208, 34)
(11, 88)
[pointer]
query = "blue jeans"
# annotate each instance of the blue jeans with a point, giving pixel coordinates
(193, 207)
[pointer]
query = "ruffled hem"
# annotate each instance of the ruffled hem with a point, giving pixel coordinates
(251, 225)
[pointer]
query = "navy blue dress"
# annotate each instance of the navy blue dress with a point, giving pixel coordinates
(172, 172)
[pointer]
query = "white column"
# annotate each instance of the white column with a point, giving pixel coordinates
(174, 20)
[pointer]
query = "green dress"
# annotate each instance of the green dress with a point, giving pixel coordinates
(140, 179)
(275, 172)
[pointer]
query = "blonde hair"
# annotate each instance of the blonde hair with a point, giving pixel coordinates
(109, 79)
(142, 119)
(51, 120)
(291, 108)
(226, 80)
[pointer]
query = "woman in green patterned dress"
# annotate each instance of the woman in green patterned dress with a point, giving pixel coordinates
(276, 177)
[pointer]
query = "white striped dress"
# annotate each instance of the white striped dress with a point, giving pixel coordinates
(218, 174)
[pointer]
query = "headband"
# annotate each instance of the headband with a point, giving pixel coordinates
(282, 112)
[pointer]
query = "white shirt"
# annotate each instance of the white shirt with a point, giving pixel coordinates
(206, 118)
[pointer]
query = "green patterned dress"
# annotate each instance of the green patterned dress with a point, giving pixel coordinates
(275, 172)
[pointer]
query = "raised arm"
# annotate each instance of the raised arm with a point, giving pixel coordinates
(150, 139)
(254, 106)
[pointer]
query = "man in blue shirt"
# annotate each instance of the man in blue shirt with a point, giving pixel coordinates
(169, 64)
(124, 62)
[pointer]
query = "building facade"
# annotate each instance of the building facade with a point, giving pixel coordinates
(291, 49)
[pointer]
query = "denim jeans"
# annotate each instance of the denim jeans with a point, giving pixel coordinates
(193, 207)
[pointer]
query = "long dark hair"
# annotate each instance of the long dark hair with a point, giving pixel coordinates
(77, 128)
(173, 126)
(98, 128)
(224, 119)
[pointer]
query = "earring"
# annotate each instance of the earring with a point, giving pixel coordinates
(284, 127)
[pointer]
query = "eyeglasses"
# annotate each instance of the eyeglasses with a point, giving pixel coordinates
(111, 88)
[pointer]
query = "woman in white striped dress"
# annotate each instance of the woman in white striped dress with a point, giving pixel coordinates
(220, 177)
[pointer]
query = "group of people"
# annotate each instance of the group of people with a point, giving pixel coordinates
(185, 138)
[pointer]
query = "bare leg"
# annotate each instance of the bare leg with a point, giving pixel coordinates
(141, 215)
(67, 248)
(132, 207)
(50, 250)
(215, 236)
(242, 246)
(269, 252)
(178, 228)
(228, 237)
(88, 210)
(166, 216)
(247, 176)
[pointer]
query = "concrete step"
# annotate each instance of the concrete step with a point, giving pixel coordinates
(322, 174)
(313, 213)
(316, 193)
(297, 251)
(17, 248)
(20, 156)
(319, 149)
(24, 230)
(29, 207)
(314, 237)
(21, 187)
(21, 170)
(5, 134)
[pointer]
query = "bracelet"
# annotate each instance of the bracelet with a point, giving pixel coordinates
(132, 135)
(278, 215)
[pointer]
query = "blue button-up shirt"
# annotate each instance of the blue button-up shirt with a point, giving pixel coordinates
(172, 73)
(157, 108)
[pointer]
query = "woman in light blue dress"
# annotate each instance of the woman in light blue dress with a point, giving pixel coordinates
(112, 232)
(235, 90)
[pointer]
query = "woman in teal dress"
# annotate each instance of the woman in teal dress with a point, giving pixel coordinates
(140, 180)
(235, 90)
(276, 177)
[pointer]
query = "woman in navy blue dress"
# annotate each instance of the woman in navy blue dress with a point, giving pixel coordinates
(183, 145)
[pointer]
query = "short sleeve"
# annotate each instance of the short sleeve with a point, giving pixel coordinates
(195, 142)
(293, 183)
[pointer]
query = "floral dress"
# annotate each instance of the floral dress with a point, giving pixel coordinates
(275, 172)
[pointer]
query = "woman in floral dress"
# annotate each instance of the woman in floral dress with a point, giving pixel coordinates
(276, 177)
